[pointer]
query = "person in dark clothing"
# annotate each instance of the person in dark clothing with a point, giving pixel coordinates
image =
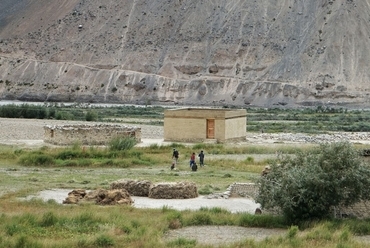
(201, 158)
(194, 167)
(175, 155)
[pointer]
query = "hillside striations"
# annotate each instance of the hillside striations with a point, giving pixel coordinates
(215, 53)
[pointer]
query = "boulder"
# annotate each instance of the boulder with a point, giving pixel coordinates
(180, 190)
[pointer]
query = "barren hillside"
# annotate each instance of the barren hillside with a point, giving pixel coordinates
(235, 52)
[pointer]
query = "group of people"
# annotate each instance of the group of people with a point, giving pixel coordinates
(193, 164)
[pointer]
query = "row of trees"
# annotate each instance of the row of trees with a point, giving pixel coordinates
(42, 112)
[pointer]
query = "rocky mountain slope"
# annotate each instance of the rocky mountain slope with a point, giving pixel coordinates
(235, 52)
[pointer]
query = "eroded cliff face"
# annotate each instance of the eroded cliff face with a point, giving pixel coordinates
(235, 52)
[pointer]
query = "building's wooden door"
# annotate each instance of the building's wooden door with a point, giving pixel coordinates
(210, 128)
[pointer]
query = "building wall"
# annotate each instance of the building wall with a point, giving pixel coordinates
(236, 128)
(190, 124)
(188, 130)
(220, 127)
(88, 134)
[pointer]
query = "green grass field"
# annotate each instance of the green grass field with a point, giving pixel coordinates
(36, 223)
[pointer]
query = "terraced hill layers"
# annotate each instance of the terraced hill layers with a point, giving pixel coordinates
(236, 52)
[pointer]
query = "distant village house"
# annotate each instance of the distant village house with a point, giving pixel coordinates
(205, 124)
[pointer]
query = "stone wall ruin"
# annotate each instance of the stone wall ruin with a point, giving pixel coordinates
(94, 134)
(164, 190)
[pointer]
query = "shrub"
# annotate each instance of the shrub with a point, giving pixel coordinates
(36, 159)
(48, 219)
(292, 232)
(202, 218)
(175, 219)
(122, 143)
(104, 241)
(62, 115)
(264, 220)
(68, 154)
(91, 116)
(309, 185)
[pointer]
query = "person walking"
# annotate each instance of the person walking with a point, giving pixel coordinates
(201, 158)
(192, 159)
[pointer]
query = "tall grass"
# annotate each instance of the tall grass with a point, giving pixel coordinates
(122, 143)
(42, 224)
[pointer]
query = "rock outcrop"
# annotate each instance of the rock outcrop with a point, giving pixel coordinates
(236, 52)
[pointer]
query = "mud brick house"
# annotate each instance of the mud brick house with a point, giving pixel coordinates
(205, 124)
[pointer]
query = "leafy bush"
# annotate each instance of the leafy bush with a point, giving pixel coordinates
(91, 116)
(122, 143)
(309, 185)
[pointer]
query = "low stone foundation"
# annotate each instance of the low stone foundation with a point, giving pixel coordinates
(134, 187)
(181, 190)
(98, 134)
(244, 189)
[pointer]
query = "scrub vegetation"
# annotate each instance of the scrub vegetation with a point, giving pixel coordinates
(320, 119)
(34, 223)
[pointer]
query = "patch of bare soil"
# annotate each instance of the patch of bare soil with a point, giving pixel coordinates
(222, 235)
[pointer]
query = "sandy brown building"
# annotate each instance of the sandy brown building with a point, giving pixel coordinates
(202, 124)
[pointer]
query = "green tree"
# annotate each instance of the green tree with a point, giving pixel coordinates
(310, 184)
